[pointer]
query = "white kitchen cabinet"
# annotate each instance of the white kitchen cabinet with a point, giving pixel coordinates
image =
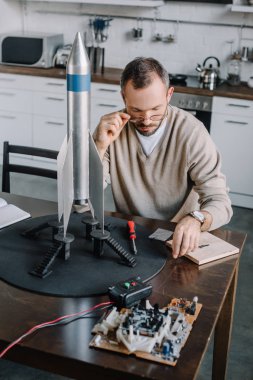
(21, 82)
(105, 98)
(54, 85)
(33, 112)
(131, 3)
(232, 131)
(241, 8)
(15, 100)
(16, 128)
(231, 106)
(48, 132)
(15, 111)
(50, 104)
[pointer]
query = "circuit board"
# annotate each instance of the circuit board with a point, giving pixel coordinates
(147, 331)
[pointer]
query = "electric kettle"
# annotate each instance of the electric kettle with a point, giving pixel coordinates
(209, 76)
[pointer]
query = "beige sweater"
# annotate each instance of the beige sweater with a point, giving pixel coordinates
(160, 186)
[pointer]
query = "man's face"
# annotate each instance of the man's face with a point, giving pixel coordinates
(147, 106)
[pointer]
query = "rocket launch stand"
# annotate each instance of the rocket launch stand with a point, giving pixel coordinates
(100, 237)
(60, 246)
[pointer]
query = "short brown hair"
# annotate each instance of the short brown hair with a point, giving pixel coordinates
(140, 71)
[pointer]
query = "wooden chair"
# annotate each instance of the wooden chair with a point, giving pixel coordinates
(25, 169)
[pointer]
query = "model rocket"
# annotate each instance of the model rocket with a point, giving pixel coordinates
(78, 87)
(87, 166)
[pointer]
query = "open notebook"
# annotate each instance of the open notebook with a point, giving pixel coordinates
(210, 248)
(10, 214)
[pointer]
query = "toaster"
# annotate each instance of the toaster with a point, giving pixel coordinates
(62, 55)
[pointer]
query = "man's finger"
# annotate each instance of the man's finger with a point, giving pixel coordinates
(124, 115)
(192, 243)
(111, 128)
(196, 245)
(176, 243)
(185, 244)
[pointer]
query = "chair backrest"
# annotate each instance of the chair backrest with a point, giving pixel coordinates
(25, 169)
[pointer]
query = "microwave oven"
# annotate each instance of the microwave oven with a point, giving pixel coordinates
(35, 50)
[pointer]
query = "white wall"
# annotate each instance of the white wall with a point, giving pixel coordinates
(10, 16)
(193, 42)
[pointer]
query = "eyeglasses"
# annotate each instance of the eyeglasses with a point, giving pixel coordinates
(141, 119)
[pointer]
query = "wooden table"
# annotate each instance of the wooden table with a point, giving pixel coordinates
(64, 350)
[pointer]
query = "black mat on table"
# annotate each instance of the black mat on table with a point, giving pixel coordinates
(83, 274)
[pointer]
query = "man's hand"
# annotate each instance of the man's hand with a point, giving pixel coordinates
(187, 233)
(186, 236)
(108, 130)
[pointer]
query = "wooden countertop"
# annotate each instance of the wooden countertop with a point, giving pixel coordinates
(112, 76)
(22, 70)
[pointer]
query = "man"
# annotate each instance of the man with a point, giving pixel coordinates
(160, 159)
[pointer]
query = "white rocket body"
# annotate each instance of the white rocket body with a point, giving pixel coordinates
(78, 98)
(87, 165)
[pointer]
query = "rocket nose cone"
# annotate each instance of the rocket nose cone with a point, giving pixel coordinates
(78, 62)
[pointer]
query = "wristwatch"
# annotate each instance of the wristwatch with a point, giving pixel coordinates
(198, 216)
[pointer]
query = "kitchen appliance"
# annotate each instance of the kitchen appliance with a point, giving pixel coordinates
(234, 70)
(250, 82)
(178, 79)
(61, 56)
(198, 105)
(36, 50)
(209, 76)
(245, 53)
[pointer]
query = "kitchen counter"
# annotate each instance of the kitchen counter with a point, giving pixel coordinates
(112, 76)
(240, 92)
(34, 71)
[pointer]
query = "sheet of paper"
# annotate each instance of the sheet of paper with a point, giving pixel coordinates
(10, 214)
(161, 234)
(2, 202)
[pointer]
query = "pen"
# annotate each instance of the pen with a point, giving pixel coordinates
(203, 245)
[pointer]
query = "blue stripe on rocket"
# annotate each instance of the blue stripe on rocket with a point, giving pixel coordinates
(78, 83)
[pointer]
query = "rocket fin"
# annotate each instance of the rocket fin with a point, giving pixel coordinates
(60, 164)
(68, 191)
(65, 181)
(96, 182)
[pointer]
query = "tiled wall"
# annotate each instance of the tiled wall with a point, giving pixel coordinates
(193, 42)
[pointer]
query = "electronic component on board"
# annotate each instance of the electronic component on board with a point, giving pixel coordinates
(149, 332)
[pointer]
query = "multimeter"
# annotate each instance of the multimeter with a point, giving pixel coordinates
(129, 292)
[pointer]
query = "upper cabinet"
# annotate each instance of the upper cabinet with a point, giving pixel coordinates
(206, 1)
(133, 3)
(242, 8)
(137, 3)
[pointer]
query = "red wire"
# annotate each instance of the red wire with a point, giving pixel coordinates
(34, 328)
